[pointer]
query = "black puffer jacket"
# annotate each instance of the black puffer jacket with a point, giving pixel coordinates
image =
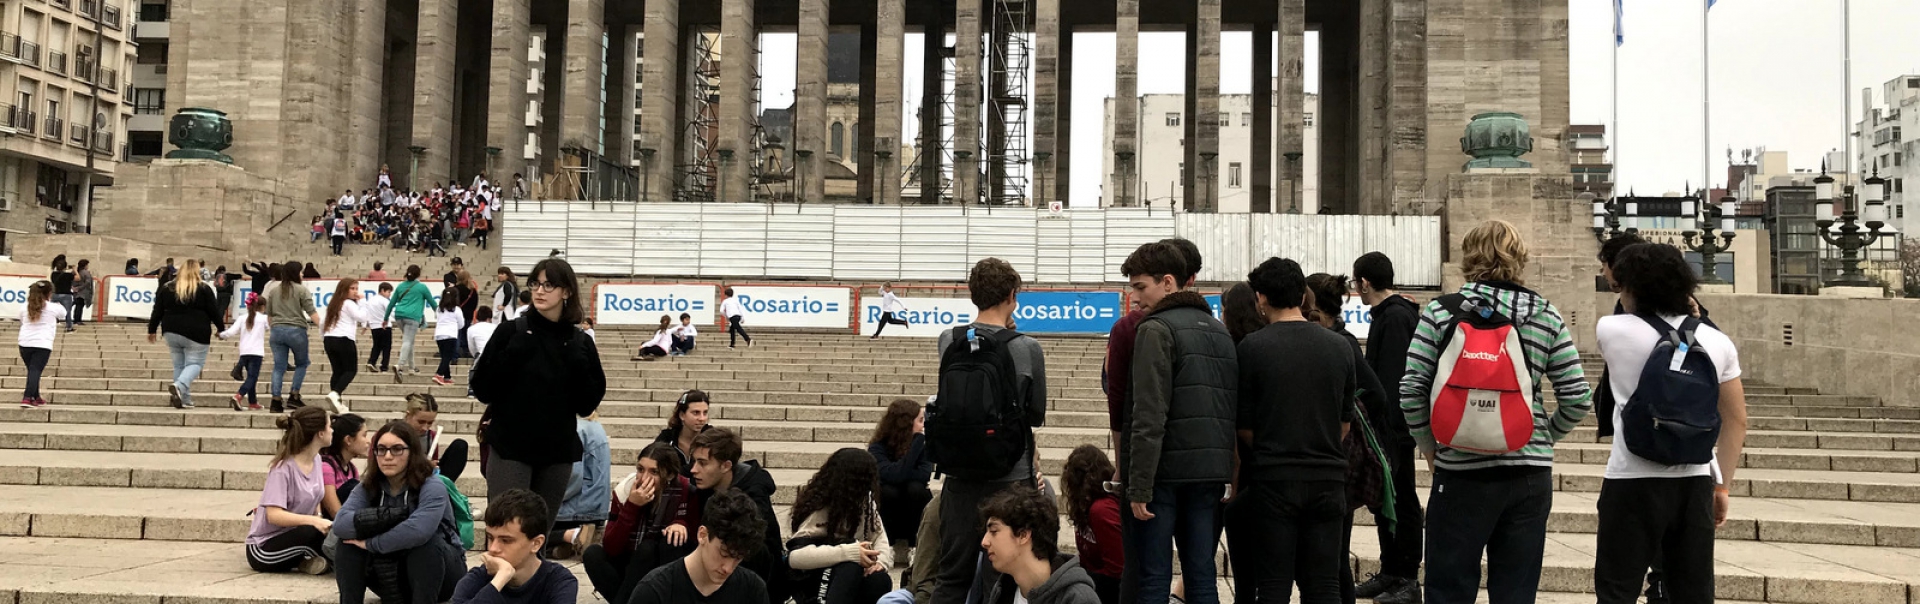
(1185, 384)
(535, 377)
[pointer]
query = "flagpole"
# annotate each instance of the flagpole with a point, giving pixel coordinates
(1706, 112)
(1614, 148)
(1846, 94)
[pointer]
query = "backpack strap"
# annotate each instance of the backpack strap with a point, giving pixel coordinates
(1682, 336)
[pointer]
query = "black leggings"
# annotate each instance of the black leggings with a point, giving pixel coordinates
(382, 348)
(616, 576)
(344, 357)
(78, 313)
(281, 553)
(430, 571)
(843, 583)
(549, 481)
(886, 318)
(449, 350)
(734, 330)
(36, 360)
(901, 507)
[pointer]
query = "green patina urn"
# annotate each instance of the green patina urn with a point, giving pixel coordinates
(200, 133)
(1497, 140)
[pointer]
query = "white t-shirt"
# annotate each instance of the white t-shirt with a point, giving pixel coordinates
(889, 303)
(685, 330)
(347, 325)
(447, 324)
(1626, 341)
(39, 334)
(252, 341)
(732, 308)
(477, 336)
(374, 312)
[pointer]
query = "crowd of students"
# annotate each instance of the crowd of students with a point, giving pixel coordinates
(429, 220)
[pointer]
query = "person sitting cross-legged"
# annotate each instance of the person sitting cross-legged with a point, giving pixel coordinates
(397, 530)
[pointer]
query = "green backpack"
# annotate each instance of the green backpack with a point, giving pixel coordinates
(462, 511)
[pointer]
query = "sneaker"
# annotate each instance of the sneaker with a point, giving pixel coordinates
(29, 403)
(315, 565)
(279, 406)
(1407, 592)
(370, 368)
(253, 406)
(339, 408)
(294, 402)
(173, 396)
(236, 403)
(441, 381)
(396, 376)
(1375, 585)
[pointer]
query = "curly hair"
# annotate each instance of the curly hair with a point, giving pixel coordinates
(895, 430)
(991, 282)
(1329, 293)
(1657, 277)
(1494, 251)
(731, 520)
(1083, 482)
(844, 488)
(1024, 510)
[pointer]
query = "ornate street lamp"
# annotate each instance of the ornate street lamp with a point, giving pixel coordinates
(1614, 217)
(1710, 246)
(1850, 238)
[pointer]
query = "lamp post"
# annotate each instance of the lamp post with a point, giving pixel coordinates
(1851, 240)
(1613, 217)
(413, 175)
(726, 169)
(646, 174)
(1709, 245)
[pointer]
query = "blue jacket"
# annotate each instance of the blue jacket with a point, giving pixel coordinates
(432, 518)
(591, 488)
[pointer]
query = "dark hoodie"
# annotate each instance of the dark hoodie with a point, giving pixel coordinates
(1394, 320)
(1069, 584)
(1180, 418)
(757, 484)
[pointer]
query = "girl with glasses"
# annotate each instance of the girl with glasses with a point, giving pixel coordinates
(398, 535)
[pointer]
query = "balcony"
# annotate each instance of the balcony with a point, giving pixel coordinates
(103, 142)
(23, 120)
(109, 80)
(66, 4)
(85, 70)
(57, 62)
(14, 49)
(79, 134)
(55, 128)
(111, 16)
(87, 8)
(8, 114)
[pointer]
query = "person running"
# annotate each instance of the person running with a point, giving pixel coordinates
(683, 335)
(338, 332)
(62, 278)
(1480, 499)
(447, 326)
(408, 313)
(352, 440)
(735, 312)
(185, 308)
(373, 312)
(252, 335)
(1389, 334)
(39, 322)
(584, 510)
(1096, 519)
(689, 419)
(291, 313)
(716, 572)
(1651, 510)
(657, 346)
(511, 571)
(889, 304)
(400, 513)
(82, 294)
(899, 445)
(652, 522)
(535, 379)
(1177, 453)
(450, 457)
(288, 530)
(718, 469)
(1022, 545)
(839, 547)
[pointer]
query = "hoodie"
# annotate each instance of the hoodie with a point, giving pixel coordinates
(1549, 352)
(1394, 321)
(749, 478)
(1069, 584)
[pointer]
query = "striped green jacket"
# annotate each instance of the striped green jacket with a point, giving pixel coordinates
(1549, 351)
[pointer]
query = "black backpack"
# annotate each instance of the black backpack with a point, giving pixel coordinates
(1673, 417)
(976, 426)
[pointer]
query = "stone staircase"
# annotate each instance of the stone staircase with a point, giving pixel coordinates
(357, 259)
(107, 494)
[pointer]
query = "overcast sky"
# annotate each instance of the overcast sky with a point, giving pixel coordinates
(1776, 80)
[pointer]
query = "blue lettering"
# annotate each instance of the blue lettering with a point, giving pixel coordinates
(122, 293)
(803, 305)
(618, 302)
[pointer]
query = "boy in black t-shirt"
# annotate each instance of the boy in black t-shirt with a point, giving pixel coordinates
(730, 531)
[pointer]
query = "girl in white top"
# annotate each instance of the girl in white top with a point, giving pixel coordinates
(338, 331)
(252, 332)
(446, 335)
(38, 322)
(662, 340)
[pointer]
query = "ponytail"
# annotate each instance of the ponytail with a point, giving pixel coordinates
(37, 295)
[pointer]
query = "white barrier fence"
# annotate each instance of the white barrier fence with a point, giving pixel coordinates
(939, 243)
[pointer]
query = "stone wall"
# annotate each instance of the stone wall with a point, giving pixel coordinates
(1562, 253)
(1839, 346)
(193, 204)
(109, 254)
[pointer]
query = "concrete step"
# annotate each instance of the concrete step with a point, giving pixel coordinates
(1797, 439)
(1774, 459)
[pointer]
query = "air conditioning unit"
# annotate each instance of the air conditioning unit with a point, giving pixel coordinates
(6, 203)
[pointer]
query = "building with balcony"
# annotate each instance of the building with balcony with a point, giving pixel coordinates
(1887, 141)
(146, 132)
(1587, 155)
(63, 110)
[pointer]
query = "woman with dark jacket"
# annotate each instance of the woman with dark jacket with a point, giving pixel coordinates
(82, 294)
(534, 381)
(62, 278)
(690, 415)
(397, 531)
(899, 445)
(186, 309)
(259, 273)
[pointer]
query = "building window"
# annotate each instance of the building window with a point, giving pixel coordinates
(51, 190)
(149, 101)
(1226, 119)
(1233, 175)
(1183, 171)
(1173, 119)
(153, 12)
(151, 53)
(838, 136)
(1309, 119)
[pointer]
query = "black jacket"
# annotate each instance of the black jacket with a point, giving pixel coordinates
(535, 376)
(196, 319)
(753, 481)
(258, 273)
(671, 436)
(911, 469)
(1183, 399)
(1394, 320)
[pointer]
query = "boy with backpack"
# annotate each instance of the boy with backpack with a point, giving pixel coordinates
(1473, 409)
(992, 393)
(1665, 490)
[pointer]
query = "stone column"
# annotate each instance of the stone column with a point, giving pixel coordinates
(433, 89)
(737, 42)
(1260, 156)
(1059, 178)
(890, 39)
(660, 102)
(932, 155)
(507, 99)
(1207, 86)
(966, 102)
(1407, 99)
(1338, 67)
(1190, 121)
(581, 100)
(1046, 96)
(1293, 98)
(621, 64)
(1122, 184)
(810, 100)
(366, 79)
(1371, 172)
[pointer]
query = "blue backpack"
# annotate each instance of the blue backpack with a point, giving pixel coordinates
(1673, 417)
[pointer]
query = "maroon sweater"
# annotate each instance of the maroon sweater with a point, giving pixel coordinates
(1118, 370)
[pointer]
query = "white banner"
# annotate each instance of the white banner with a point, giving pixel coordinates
(129, 296)
(322, 290)
(782, 306)
(13, 294)
(645, 303)
(926, 317)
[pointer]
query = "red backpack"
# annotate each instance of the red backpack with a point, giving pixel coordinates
(1479, 400)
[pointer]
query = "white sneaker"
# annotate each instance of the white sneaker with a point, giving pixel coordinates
(339, 408)
(314, 566)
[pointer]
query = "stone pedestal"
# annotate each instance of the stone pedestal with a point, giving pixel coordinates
(1561, 251)
(199, 203)
(1856, 293)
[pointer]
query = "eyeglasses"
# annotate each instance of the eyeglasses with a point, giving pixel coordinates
(542, 286)
(390, 451)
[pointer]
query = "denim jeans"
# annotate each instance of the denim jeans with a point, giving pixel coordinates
(251, 363)
(65, 301)
(189, 357)
(1184, 515)
(1506, 516)
(408, 329)
(288, 339)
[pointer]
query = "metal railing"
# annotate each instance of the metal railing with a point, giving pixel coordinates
(57, 62)
(7, 113)
(26, 52)
(67, 4)
(84, 69)
(55, 128)
(24, 121)
(79, 134)
(110, 80)
(103, 141)
(86, 8)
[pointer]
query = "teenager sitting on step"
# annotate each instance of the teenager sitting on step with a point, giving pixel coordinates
(652, 523)
(449, 457)
(287, 529)
(351, 440)
(397, 531)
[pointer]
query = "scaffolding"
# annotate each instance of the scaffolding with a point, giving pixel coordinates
(948, 79)
(695, 172)
(1009, 58)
